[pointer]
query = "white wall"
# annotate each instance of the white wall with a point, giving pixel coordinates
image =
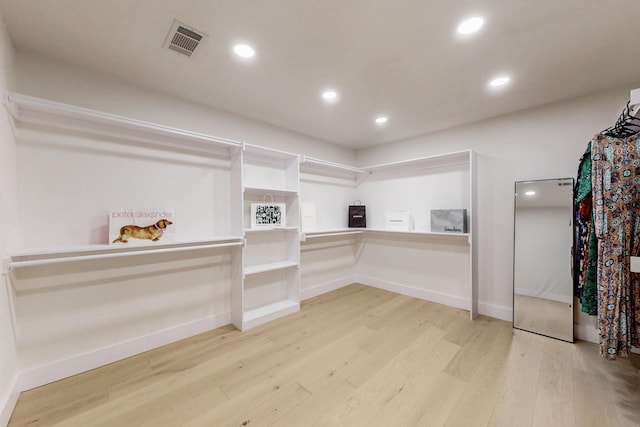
(544, 142)
(8, 361)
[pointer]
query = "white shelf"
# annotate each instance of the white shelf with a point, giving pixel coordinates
(418, 233)
(269, 312)
(269, 229)
(92, 252)
(258, 191)
(429, 162)
(63, 116)
(273, 266)
(336, 170)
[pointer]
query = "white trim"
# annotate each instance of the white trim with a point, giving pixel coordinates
(56, 370)
(8, 400)
(326, 287)
(495, 311)
(411, 291)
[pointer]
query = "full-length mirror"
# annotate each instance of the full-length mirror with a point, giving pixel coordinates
(542, 284)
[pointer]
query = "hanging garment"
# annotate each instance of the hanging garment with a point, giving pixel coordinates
(616, 214)
(586, 253)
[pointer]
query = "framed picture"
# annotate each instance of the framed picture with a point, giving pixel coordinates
(268, 215)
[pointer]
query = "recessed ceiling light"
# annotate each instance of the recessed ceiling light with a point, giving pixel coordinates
(471, 25)
(330, 95)
(530, 193)
(500, 81)
(381, 120)
(244, 51)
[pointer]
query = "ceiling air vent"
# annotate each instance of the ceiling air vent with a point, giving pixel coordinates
(183, 39)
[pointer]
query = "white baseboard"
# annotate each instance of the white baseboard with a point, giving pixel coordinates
(495, 311)
(411, 291)
(8, 400)
(56, 370)
(327, 287)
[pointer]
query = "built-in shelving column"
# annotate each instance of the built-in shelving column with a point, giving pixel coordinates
(271, 278)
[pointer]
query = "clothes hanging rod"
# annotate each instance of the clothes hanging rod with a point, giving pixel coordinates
(60, 115)
(10, 265)
(339, 233)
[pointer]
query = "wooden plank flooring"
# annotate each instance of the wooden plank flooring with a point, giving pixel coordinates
(357, 356)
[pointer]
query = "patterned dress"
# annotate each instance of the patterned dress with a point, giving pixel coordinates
(616, 209)
(586, 250)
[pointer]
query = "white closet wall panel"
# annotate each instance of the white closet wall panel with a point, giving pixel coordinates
(331, 198)
(68, 183)
(416, 192)
(327, 264)
(434, 268)
(66, 311)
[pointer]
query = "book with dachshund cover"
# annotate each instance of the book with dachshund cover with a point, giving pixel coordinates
(141, 226)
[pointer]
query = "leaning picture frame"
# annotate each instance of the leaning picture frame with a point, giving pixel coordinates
(268, 215)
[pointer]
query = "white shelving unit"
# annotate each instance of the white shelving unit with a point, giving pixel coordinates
(265, 271)
(123, 130)
(271, 257)
(386, 181)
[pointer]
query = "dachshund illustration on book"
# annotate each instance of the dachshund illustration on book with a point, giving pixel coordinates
(152, 232)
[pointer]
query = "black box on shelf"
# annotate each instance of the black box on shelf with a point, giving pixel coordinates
(357, 216)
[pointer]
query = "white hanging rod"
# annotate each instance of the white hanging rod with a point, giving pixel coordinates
(18, 264)
(56, 114)
(339, 233)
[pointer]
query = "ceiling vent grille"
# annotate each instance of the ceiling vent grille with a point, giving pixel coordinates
(183, 39)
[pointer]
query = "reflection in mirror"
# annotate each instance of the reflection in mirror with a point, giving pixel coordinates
(542, 284)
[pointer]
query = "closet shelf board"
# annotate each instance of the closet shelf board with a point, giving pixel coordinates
(269, 229)
(256, 152)
(273, 266)
(336, 170)
(259, 191)
(64, 116)
(437, 161)
(86, 253)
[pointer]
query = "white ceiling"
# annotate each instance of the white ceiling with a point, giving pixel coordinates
(401, 58)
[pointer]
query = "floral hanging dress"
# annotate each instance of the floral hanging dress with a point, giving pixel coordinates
(616, 207)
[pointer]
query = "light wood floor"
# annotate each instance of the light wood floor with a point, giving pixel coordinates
(354, 357)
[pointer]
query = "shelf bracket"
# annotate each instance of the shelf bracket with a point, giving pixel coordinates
(6, 265)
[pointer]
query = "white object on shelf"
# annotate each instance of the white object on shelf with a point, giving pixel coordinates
(398, 221)
(308, 216)
(64, 116)
(268, 215)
